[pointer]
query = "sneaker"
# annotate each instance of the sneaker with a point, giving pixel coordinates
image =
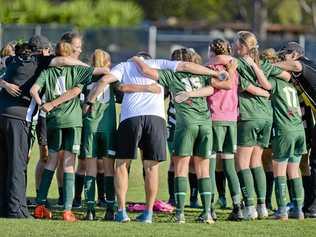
(145, 217)
(236, 214)
(90, 215)
(76, 203)
(221, 202)
(250, 213)
(121, 216)
(180, 218)
(69, 216)
(41, 212)
(101, 202)
(296, 213)
(281, 214)
(194, 204)
(213, 213)
(311, 212)
(109, 214)
(262, 211)
(206, 218)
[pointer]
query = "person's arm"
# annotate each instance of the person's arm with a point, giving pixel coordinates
(132, 88)
(290, 65)
(262, 79)
(68, 95)
(97, 71)
(202, 92)
(254, 90)
(12, 89)
(196, 69)
(34, 93)
(66, 61)
(284, 75)
(145, 69)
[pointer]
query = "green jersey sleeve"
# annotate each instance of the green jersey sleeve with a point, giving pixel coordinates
(243, 83)
(269, 69)
(83, 74)
(41, 80)
(165, 77)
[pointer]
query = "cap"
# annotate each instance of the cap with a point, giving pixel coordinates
(38, 42)
(293, 47)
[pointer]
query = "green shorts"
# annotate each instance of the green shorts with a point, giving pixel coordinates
(224, 137)
(193, 140)
(288, 146)
(254, 132)
(97, 144)
(67, 139)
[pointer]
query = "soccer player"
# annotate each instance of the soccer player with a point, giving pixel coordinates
(193, 133)
(64, 126)
(254, 124)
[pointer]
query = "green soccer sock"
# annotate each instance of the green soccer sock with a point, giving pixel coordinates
(44, 186)
(247, 186)
(89, 192)
(298, 192)
(260, 183)
(204, 185)
(109, 190)
(280, 191)
(69, 181)
(232, 179)
(180, 190)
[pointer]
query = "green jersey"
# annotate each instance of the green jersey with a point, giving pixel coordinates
(193, 111)
(253, 107)
(55, 81)
(103, 110)
(286, 107)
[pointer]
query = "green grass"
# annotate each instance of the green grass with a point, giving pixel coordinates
(162, 226)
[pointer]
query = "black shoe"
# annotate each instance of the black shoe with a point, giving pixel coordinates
(109, 214)
(311, 212)
(235, 215)
(76, 203)
(60, 201)
(30, 203)
(90, 215)
(101, 202)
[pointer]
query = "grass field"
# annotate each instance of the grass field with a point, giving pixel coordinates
(163, 225)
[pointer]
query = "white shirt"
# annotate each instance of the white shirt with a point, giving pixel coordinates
(141, 103)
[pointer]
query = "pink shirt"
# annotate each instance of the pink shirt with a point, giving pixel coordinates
(223, 104)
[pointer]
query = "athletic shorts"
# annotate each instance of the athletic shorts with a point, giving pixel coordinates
(254, 132)
(97, 144)
(147, 132)
(224, 137)
(67, 139)
(288, 146)
(193, 140)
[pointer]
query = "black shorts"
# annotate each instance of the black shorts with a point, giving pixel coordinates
(146, 132)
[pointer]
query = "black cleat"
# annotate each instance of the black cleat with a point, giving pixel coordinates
(109, 214)
(236, 215)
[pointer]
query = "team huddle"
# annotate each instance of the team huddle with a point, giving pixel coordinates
(238, 106)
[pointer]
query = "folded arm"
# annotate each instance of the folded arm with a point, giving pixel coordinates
(145, 69)
(132, 88)
(254, 90)
(290, 65)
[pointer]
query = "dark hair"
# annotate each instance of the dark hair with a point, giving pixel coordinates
(144, 55)
(23, 50)
(182, 54)
(220, 47)
(69, 36)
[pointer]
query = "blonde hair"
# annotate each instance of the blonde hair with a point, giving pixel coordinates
(7, 50)
(270, 55)
(101, 58)
(63, 49)
(249, 40)
(196, 58)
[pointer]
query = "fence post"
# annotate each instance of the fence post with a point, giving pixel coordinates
(152, 41)
(301, 40)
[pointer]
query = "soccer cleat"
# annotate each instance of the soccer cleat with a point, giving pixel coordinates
(90, 215)
(145, 217)
(206, 218)
(41, 212)
(76, 203)
(236, 214)
(194, 204)
(109, 214)
(121, 216)
(262, 211)
(281, 214)
(296, 213)
(69, 216)
(179, 218)
(171, 202)
(213, 213)
(250, 213)
(60, 201)
(221, 202)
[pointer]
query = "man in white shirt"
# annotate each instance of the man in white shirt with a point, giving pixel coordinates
(142, 125)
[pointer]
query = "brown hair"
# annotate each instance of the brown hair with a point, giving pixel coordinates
(270, 55)
(63, 49)
(182, 54)
(249, 40)
(220, 47)
(101, 58)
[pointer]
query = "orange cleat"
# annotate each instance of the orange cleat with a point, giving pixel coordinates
(41, 212)
(69, 216)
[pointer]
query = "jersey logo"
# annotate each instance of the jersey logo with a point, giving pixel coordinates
(60, 87)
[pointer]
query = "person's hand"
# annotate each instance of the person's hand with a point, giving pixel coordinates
(267, 94)
(232, 65)
(249, 60)
(136, 58)
(181, 96)
(154, 88)
(47, 107)
(86, 108)
(12, 89)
